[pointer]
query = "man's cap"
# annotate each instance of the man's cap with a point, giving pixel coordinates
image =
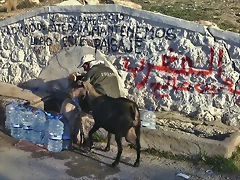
(86, 58)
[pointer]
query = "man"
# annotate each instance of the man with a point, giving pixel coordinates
(101, 77)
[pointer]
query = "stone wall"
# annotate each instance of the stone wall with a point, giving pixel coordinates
(164, 62)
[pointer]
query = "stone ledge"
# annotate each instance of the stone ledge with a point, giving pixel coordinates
(35, 99)
(181, 144)
(177, 142)
(189, 145)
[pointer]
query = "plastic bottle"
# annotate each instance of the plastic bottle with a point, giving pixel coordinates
(38, 127)
(76, 101)
(16, 131)
(65, 142)
(54, 144)
(9, 112)
(21, 113)
(16, 121)
(56, 128)
(149, 119)
(46, 129)
(66, 135)
(27, 133)
(28, 119)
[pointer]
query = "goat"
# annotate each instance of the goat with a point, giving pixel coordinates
(118, 116)
(73, 114)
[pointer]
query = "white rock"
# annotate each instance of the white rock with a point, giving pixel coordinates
(69, 3)
(128, 4)
(18, 55)
(207, 23)
(91, 2)
(5, 54)
(231, 119)
(15, 70)
(35, 1)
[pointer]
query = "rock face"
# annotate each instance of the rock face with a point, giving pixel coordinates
(160, 61)
(208, 23)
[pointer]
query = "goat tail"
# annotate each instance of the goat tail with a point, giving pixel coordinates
(135, 115)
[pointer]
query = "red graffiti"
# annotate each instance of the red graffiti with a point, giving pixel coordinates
(135, 70)
(220, 57)
(186, 69)
(156, 86)
(203, 88)
(186, 86)
(165, 67)
(229, 83)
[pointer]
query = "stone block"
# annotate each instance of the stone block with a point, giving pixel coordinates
(34, 98)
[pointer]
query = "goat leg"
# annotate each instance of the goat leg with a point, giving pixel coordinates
(119, 144)
(93, 130)
(107, 148)
(81, 133)
(138, 147)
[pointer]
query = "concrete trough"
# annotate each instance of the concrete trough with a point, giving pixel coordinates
(189, 145)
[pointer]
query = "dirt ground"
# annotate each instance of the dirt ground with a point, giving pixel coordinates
(25, 161)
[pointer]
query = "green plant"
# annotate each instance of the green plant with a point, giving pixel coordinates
(98, 138)
(226, 25)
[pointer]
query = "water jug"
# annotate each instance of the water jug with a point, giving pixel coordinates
(28, 117)
(27, 133)
(65, 142)
(38, 127)
(16, 121)
(9, 112)
(49, 117)
(149, 119)
(56, 127)
(16, 131)
(66, 135)
(54, 144)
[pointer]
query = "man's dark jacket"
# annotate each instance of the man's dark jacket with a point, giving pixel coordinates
(103, 80)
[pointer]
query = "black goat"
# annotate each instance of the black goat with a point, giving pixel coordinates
(118, 116)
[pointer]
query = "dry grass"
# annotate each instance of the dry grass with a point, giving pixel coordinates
(221, 12)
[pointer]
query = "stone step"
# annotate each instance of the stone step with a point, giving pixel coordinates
(35, 98)
(181, 144)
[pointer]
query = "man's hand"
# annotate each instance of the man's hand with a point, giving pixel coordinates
(75, 77)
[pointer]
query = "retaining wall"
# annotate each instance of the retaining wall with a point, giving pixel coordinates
(161, 61)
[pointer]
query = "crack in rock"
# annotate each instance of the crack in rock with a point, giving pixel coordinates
(61, 65)
(233, 66)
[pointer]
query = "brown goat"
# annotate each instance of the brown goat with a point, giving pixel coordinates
(118, 116)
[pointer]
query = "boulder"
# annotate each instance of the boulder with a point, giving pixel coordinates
(69, 3)
(91, 2)
(34, 1)
(207, 23)
(127, 3)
